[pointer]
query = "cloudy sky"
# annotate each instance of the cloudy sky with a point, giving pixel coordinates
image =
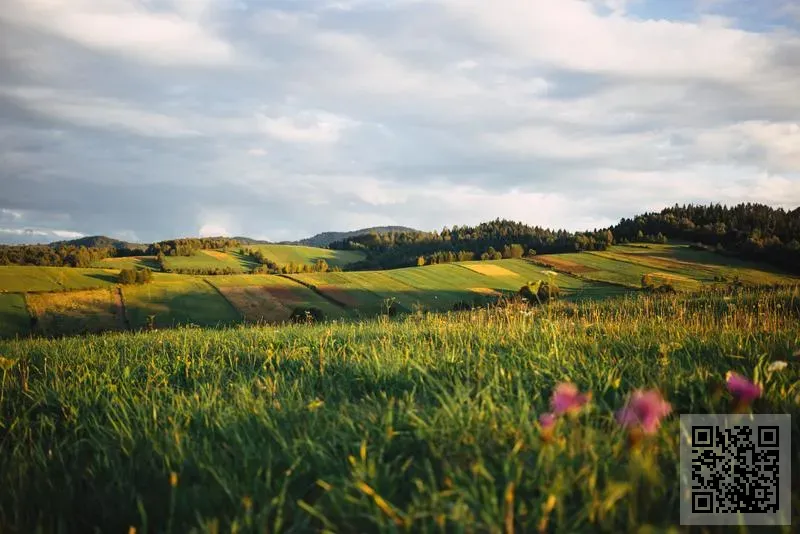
(151, 119)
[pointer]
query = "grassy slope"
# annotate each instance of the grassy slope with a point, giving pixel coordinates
(262, 292)
(176, 299)
(284, 254)
(685, 268)
(19, 279)
(77, 312)
(131, 262)
(14, 318)
(210, 259)
(362, 427)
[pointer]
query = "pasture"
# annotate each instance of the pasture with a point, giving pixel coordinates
(210, 259)
(427, 423)
(14, 318)
(299, 255)
(32, 279)
(171, 300)
(129, 262)
(270, 298)
(76, 312)
(684, 268)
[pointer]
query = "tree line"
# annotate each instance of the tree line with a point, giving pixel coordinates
(752, 231)
(491, 240)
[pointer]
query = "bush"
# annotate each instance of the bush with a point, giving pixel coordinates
(307, 315)
(135, 276)
(539, 292)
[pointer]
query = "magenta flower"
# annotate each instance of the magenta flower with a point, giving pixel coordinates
(567, 399)
(743, 389)
(547, 420)
(644, 410)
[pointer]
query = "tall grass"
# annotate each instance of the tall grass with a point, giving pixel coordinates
(425, 423)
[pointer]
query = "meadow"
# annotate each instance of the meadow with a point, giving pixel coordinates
(423, 423)
(211, 259)
(172, 300)
(129, 262)
(299, 255)
(31, 279)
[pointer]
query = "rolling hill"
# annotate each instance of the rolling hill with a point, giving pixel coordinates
(326, 238)
(98, 241)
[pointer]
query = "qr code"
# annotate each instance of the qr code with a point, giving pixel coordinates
(735, 466)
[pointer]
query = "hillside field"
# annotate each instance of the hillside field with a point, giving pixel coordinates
(14, 317)
(129, 262)
(210, 259)
(426, 423)
(175, 299)
(285, 254)
(30, 279)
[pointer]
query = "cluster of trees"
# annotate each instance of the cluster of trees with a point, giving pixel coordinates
(515, 250)
(508, 238)
(44, 255)
(753, 231)
(135, 276)
(190, 246)
(205, 271)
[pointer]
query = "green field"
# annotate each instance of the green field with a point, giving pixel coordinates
(14, 318)
(684, 268)
(299, 255)
(174, 300)
(422, 424)
(76, 312)
(29, 279)
(440, 287)
(210, 259)
(131, 262)
(271, 298)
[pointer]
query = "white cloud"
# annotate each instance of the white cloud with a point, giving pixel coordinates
(211, 230)
(96, 112)
(124, 27)
(305, 127)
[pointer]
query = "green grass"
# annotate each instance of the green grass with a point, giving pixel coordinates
(131, 262)
(210, 259)
(424, 424)
(439, 287)
(14, 318)
(22, 279)
(287, 293)
(284, 254)
(175, 300)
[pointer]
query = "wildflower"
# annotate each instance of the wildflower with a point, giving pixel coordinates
(644, 411)
(743, 389)
(778, 365)
(173, 479)
(547, 420)
(567, 399)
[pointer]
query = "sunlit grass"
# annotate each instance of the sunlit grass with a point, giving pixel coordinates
(427, 423)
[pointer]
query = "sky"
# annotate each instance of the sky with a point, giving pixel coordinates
(153, 119)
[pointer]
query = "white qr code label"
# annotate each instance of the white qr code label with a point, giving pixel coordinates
(735, 469)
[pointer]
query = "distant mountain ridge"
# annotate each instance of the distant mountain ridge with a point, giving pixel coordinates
(98, 241)
(326, 238)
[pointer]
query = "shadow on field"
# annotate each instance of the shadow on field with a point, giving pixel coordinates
(105, 277)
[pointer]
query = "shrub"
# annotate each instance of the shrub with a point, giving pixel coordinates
(307, 315)
(135, 276)
(539, 292)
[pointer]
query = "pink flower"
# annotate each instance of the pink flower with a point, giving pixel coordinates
(644, 409)
(567, 399)
(742, 388)
(547, 420)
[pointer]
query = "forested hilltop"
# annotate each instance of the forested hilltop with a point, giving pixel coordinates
(753, 231)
